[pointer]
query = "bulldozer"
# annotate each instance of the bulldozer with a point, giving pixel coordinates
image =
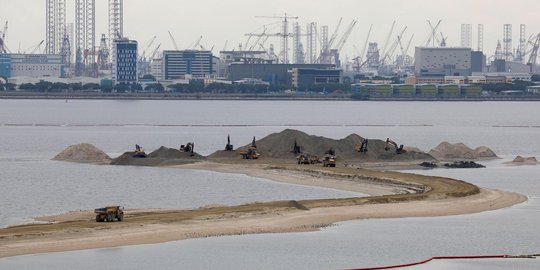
(109, 213)
(307, 159)
(389, 143)
(304, 159)
(329, 160)
(251, 152)
(139, 152)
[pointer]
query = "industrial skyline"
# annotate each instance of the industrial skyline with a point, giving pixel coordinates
(387, 29)
(221, 21)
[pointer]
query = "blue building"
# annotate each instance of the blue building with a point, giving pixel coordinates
(124, 61)
(5, 65)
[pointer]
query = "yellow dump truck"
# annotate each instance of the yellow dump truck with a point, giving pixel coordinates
(109, 213)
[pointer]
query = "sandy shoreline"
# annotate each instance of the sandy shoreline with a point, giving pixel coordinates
(77, 230)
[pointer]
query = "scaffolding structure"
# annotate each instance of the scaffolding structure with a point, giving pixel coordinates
(116, 22)
(480, 38)
(311, 43)
(520, 53)
(85, 37)
(466, 35)
(55, 25)
(298, 54)
(325, 48)
(507, 42)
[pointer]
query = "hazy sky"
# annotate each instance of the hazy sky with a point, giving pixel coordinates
(221, 20)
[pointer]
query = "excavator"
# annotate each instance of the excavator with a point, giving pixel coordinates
(363, 147)
(296, 148)
(251, 153)
(399, 150)
(189, 147)
(229, 146)
(139, 152)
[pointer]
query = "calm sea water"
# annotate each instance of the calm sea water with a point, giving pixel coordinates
(33, 131)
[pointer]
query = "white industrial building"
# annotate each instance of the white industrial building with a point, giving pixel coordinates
(31, 65)
(443, 61)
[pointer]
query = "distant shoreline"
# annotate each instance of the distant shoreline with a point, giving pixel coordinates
(206, 96)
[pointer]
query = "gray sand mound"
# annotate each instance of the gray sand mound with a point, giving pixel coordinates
(280, 146)
(224, 154)
(83, 153)
(163, 156)
(520, 159)
(446, 150)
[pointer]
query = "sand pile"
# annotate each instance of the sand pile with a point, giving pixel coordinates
(446, 150)
(163, 156)
(280, 145)
(83, 153)
(524, 160)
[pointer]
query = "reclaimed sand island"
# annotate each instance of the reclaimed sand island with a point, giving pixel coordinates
(391, 195)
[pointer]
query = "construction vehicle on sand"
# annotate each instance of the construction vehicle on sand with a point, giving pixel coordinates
(188, 148)
(139, 152)
(296, 148)
(251, 152)
(329, 160)
(109, 213)
(363, 147)
(389, 143)
(307, 159)
(229, 146)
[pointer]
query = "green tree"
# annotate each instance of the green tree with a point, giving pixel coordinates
(58, 87)
(535, 78)
(91, 86)
(43, 86)
(27, 86)
(10, 86)
(121, 88)
(136, 87)
(75, 86)
(155, 87)
(149, 77)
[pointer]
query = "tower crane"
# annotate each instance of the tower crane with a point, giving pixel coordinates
(153, 55)
(365, 43)
(3, 34)
(345, 36)
(196, 44)
(35, 48)
(533, 56)
(143, 55)
(433, 34)
(173, 41)
(334, 35)
(393, 47)
(384, 52)
(284, 34)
